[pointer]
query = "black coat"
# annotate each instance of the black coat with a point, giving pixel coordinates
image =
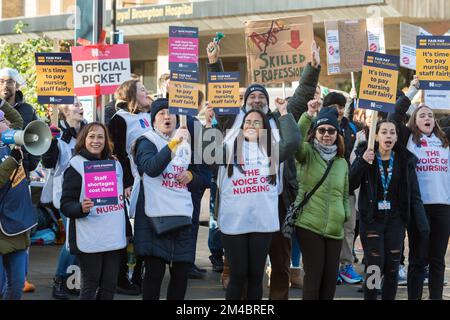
(117, 128)
(365, 176)
(399, 117)
(110, 111)
(348, 131)
(175, 246)
(71, 205)
(51, 157)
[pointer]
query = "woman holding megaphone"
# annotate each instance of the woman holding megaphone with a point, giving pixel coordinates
(17, 217)
(57, 158)
(96, 232)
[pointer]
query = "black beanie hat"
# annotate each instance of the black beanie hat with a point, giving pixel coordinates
(158, 105)
(327, 116)
(255, 87)
(334, 98)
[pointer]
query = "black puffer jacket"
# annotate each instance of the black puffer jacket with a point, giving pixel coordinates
(365, 176)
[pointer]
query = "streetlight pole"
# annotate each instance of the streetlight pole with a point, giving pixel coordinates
(115, 34)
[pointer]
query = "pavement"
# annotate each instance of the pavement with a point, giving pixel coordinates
(43, 260)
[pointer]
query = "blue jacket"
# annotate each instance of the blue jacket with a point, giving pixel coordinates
(17, 214)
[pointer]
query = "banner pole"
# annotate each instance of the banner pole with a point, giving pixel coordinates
(284, 90)
(372, 132)
(183, 121)
(352, 74)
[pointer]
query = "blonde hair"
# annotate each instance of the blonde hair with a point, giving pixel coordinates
(126, 95)
(62, 110)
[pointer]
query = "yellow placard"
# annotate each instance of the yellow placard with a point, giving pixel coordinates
(433, 64)
(223, 95)
(54, 80)
(54, 77)
(183, 95)
(378, 84)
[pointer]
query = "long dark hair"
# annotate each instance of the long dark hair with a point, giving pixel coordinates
(417, 134)
(81, 140)
(379, 123)
(238, 144)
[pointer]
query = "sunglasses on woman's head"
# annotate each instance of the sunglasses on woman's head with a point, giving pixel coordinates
(330, 131)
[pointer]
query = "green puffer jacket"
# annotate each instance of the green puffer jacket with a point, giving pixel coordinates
(328, 208)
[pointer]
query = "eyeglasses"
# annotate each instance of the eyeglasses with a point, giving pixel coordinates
(8, 82)
(255, 123)
(330, 131)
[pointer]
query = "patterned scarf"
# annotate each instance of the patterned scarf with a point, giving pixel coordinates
(162, 135)
(326, 152)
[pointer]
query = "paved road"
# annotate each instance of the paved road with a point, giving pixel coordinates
(43, 264)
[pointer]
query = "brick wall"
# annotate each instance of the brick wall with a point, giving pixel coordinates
(12, 8)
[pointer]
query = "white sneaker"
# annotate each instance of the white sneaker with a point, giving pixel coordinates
(402, 276)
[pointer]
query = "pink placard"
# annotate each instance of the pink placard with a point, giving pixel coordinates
(100, 182)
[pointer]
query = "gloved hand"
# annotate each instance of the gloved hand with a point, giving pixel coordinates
(17, 154)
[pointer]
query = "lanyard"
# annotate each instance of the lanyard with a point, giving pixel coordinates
(385, 181)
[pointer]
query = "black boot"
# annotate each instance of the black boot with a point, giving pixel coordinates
(59, 289)
(138, 273)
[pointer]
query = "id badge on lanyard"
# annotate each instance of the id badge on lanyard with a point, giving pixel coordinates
(385, 181)
(384, 205)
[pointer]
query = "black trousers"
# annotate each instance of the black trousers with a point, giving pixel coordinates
(433, 252)
(246, 255)
(321, 264)
(99, 274)
(382, 242)
(155, 268)
(280, 260)
(122, 276)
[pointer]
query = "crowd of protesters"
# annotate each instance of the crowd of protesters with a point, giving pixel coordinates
(308, 152)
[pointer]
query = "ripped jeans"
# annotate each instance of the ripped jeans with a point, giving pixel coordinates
(382, 242)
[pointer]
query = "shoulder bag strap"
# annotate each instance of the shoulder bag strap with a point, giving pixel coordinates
(309, 194)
